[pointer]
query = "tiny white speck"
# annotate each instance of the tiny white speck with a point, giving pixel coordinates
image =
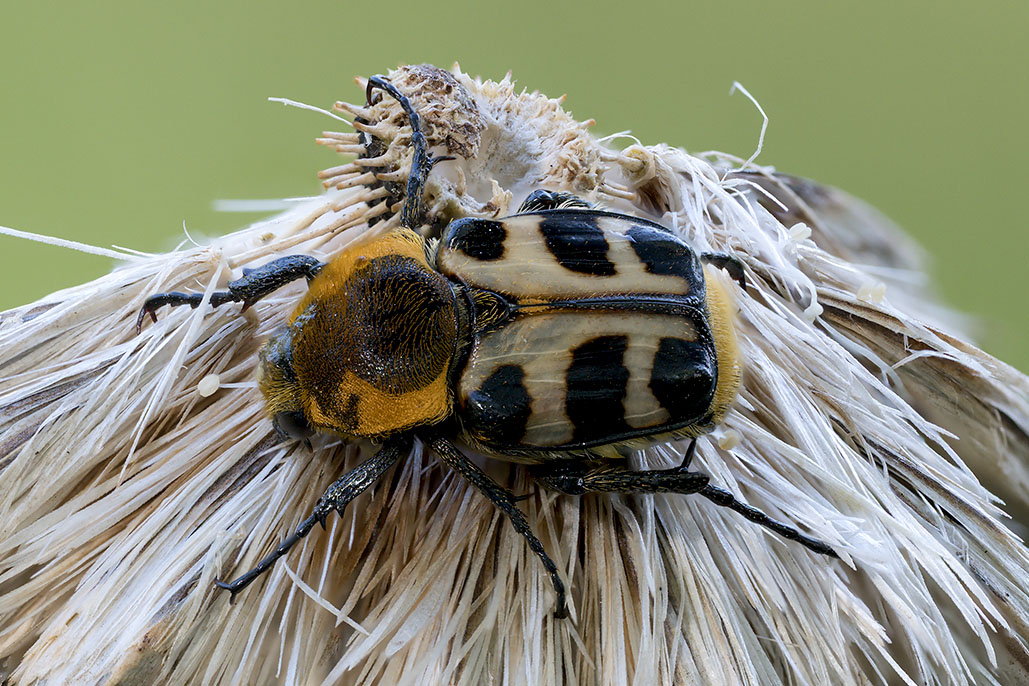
(729, 439)
(208, 385)
(800, 232)
(813, 312)
(871, 292)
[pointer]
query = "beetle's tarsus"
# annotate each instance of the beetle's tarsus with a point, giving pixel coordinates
(228, 587)
(433, 160)
(580, 477)
(504, 501)
(158, 300)
(726, 499)
(336, 497)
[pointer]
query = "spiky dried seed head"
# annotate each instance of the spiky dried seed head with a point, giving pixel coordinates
(124, 492)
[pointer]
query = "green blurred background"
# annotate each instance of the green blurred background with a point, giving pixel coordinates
(123, 120)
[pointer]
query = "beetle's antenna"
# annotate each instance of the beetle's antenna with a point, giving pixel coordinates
(422, 162)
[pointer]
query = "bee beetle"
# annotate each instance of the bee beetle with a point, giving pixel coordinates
(561, 336)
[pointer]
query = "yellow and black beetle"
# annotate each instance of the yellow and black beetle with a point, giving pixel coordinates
(559, 336)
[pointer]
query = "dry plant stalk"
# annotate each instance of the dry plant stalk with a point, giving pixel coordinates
(124, 491)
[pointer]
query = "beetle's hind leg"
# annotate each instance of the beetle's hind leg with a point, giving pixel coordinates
(542, 200)
(733, 265)
(251, 287)
(577, 477)
(337, 497)
(504, 501)
(724, 498)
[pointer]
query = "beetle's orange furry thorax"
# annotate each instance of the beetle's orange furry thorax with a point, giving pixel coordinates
(371, 343)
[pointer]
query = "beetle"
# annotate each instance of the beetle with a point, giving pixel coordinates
(562, 336)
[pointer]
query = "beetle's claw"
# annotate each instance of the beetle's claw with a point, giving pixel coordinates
(143, 312)
(433, 161)
(228, 587)
(374, 82)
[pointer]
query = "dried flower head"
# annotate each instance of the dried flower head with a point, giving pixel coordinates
(134, 470)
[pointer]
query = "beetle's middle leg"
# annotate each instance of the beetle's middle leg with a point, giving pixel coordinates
(541, 200)
(577, 477)
(251, 287)
(504, 501)
(337, 497)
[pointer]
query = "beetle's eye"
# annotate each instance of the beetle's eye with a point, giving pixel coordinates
(292, 425)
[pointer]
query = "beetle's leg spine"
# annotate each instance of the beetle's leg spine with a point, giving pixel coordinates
(687, 459)
(504, 501)
(336, 497)
(251, 287)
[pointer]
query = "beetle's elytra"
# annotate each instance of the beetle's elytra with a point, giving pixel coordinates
(559, 336)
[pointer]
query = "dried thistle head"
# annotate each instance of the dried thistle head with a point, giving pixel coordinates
(131, 477)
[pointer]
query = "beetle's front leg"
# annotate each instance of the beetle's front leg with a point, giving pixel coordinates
(251, 287)
(422, 161)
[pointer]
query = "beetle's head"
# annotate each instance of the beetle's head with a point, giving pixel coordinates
(281, 388)
(367, 353)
